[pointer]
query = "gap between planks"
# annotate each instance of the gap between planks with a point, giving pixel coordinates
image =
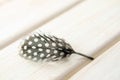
(22, 30)
(96, 55)
(105, 67)
(85, 45)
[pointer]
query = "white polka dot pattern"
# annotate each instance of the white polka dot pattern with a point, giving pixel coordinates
(30, 42)
(39, 45)
(44, 47)
(25, 47)
(42, 55)
(36, 39)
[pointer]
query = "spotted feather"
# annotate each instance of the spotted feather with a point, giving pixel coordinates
(45, 47)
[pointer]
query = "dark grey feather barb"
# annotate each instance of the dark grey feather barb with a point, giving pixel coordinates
(45, 47)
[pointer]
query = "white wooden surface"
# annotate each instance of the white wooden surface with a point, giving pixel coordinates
(105, 67)
(2, 2)
(20, 17)
(91, 27)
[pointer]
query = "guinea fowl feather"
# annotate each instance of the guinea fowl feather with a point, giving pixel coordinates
(40, 46)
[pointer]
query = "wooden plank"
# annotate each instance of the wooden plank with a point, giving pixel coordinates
(92, 23)
(20, 17)
(13, 67)
(105, 67)
(88, 27)
(2, 2)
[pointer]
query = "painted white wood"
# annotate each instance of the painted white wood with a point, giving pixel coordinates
(2, 2)
(88, 27)
(13, 67)
(105, 67)
(22, 16)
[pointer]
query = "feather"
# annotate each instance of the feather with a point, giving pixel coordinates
(46, 47)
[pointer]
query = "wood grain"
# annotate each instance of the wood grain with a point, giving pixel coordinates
(105, 67)
(20, 17)
(89, 27)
